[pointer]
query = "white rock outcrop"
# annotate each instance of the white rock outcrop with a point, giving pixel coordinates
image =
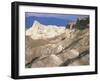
(40, 31)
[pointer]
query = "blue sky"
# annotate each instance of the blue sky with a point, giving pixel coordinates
(49, 18)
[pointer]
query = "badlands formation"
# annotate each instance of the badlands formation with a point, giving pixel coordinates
(39, 31)
(53, 46)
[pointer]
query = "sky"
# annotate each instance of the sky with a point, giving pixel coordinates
(50, 18)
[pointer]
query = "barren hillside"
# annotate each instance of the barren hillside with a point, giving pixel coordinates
(68, 47)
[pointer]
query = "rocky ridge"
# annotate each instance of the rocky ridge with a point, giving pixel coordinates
(39, 31)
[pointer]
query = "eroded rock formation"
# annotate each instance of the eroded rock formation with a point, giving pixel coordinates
(71, 47)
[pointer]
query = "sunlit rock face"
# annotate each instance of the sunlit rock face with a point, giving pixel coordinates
(53, 46)
(39, 31)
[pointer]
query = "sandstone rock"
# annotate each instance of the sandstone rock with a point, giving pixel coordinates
(38, 48)
(81, 61)
(51, 61)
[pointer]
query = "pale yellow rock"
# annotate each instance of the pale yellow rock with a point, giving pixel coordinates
(38, 31)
